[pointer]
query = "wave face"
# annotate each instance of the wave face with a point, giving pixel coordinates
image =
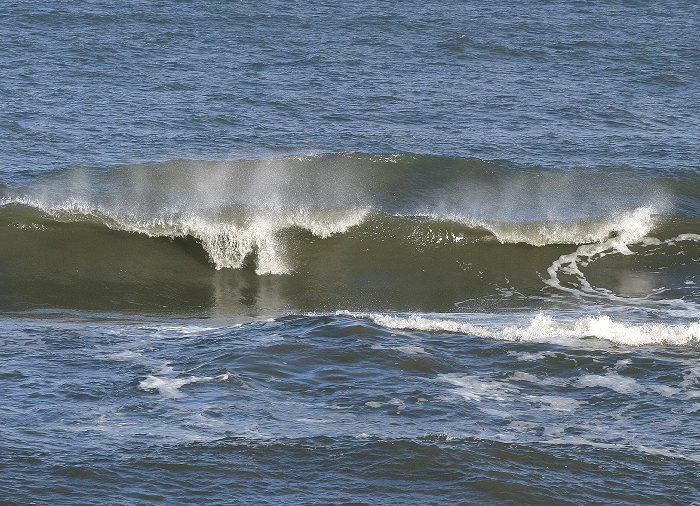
(356, 231)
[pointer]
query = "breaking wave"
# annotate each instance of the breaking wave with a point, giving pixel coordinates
(394, 232)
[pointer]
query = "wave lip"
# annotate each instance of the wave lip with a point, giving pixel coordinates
(230, 244)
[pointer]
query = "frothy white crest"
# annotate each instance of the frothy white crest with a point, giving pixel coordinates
(544, 328)
(227, 242)
(625, 227)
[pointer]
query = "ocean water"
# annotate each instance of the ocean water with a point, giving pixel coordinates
(426, 253)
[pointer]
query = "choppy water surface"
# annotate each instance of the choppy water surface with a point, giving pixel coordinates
(328, 254)
(339, 408)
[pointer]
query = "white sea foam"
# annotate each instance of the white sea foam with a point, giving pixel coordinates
(624, 385)
(545, 328)
(686, 237)
(630, 228)
(555, 402)
(476, 388)
(170, 387)
(611, 381)
(480, 389)
(394, 402)
(582, 441)
(623, 227)
(126, 355)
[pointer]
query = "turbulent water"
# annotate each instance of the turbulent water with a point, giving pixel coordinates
(427, 253)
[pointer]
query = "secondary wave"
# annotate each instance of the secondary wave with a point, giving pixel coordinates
(544, 328)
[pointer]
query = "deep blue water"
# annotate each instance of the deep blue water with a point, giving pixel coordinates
(320, 253)
(554, 83)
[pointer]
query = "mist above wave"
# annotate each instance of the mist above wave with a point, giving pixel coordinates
(394, 184)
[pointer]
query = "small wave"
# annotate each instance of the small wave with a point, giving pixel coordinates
(170, 387)
(544, 328)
